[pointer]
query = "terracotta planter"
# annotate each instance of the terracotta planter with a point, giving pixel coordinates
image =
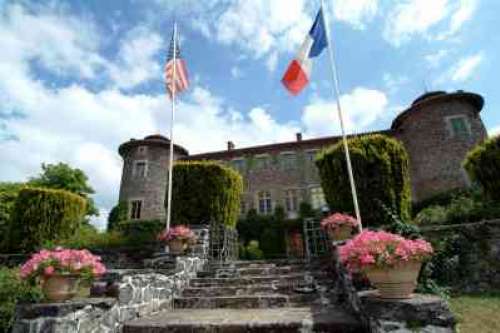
(59, 288)
(341, 233)
(176, 246)
(397, 282)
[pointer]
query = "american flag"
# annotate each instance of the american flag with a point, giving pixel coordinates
(181, 76)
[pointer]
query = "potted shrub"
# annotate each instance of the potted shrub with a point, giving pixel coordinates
(392, 263)
(339, 226)
(177, 238)
(59, 271)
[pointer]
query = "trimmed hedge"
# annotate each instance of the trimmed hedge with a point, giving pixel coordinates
(205, 192)
(41, 215)
(483, 166)
(381, 172)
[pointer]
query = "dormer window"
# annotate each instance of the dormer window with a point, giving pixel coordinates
(140, 169)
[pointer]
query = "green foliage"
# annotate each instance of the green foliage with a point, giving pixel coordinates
(461, 209)
(251, 251)
(8, 195)
(397, 224)
(443, 198)
(13, 290)
(118, 214)
(381, 171)
(44, 214)
(483, 166)
(87, 237)
(63, 177)
(205, 192)
(139, 233)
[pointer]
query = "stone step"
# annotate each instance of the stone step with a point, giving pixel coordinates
(232, 302)
(292, 279)
(260, 270)
(282, 320)
(259, 263)
(255, 289)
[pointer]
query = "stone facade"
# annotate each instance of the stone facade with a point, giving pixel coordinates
(437, 130)
(139, 293)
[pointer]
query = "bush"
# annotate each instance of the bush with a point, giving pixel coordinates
(443, 198)
(205, 192)
(12, 291)
(483, 166)
(44, 214)
(118, 214)
(8, 195)
(381, 173)
(88, 237)
(139, 233)
(252, 251)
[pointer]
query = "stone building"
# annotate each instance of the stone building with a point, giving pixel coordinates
(438, 129)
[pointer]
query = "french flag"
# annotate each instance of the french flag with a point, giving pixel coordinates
(299, 71)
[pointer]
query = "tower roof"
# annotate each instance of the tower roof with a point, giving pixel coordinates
(151, 140)
(439, 96)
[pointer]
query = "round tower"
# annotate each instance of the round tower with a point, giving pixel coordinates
(144, 175)
(438, 130)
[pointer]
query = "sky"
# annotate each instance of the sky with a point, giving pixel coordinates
(78, 78)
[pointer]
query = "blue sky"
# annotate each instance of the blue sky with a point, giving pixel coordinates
(80, 77)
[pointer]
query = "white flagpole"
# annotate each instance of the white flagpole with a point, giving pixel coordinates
(172, 118)
(336, 88)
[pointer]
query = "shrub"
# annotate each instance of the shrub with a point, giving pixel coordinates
(8, 195)
(252, 251)
(13, 290)
(483, 166)
(44, 214)
(205, 192)
(139, 233)
(380, 166)
(87, 237)
(118, 214)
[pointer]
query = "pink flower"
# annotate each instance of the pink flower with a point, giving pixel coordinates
(178, 232)
(48, 271)
(381, 249)
(336, 220)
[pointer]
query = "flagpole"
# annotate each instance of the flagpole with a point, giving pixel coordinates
(335, 78)
(172, 118)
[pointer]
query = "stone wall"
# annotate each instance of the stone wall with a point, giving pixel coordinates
(137, 293)
(476, 264)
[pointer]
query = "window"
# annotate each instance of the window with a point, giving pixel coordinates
(262, 162)
(288, 161)
(317, 197)
(459, 127)
(264, 200)
(311, 155)
(238, 164)
(135, 209)
(243, 207)
(291, 200)
(140, 169)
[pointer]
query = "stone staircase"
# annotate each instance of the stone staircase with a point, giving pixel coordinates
(254, 296)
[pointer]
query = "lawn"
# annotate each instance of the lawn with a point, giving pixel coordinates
(477, 313)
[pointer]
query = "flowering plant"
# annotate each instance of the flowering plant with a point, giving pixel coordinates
(179, 232)
(382, 249)
(62, 262)
(336, 220)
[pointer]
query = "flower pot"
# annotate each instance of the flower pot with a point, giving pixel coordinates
(340, 233)
(396, 282)
(176, 246)
(59, 288)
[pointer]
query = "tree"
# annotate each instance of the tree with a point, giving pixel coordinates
(63, 177)
(118, 214)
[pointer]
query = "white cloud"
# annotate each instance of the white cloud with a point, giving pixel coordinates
(394, 82)
(413, 17)
(236, 72)
(465, 68)
(463, 12)
(435, 59)
(494, 131)
(136, 63)
(355, 12)
(361, 108)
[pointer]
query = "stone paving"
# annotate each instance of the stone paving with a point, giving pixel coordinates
(260, 296)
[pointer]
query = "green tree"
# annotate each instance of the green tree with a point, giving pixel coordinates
(61, 176)
(118, 214)
(8, 195)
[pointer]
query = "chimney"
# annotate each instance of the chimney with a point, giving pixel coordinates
(230, 145)
(299, 136)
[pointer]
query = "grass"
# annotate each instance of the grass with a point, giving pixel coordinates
(478, 313)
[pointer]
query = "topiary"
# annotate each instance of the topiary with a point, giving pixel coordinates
(381, 171)
(41, 215)
(205, 192)
(483, 166)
